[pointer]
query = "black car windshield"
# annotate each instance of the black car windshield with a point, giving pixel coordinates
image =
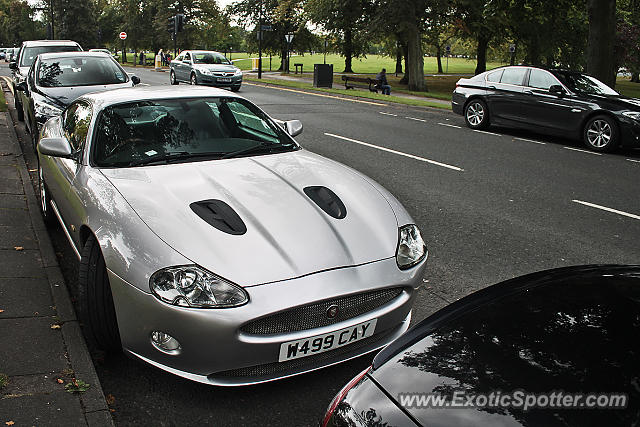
(80, 71)
(582, 83)
(209, 58)
(183, 130)
(30, 53)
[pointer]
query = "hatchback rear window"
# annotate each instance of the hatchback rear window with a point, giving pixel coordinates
(30, 53)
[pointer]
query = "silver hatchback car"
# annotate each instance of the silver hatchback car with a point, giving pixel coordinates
(213, 246)
(205, 67)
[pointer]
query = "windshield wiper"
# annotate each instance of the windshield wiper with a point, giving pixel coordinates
(254, 148)
(171, 157)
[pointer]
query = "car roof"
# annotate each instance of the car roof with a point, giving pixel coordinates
(30, 43)
(104, 99)
(52, 55)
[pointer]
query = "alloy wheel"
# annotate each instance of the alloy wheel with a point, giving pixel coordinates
(475, 114)
(193, 79)
(599, 133)
(43, 191)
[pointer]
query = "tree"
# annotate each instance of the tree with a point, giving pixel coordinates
(76, 21)
(602, 31)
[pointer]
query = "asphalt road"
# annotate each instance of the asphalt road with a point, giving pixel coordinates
(491, 206)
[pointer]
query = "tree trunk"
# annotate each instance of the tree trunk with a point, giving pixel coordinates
(481, 54)
(635, 78)
(439, 59)
(602, 31)
(415, 67)
(399, 60)
(405, 49)
(348, 50)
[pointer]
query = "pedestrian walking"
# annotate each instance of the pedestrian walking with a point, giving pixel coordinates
(383, 84)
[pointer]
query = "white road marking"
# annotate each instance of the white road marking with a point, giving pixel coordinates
(447, 124)
(604, 208)
(400, 153)
(583, 151)
(144, 84)
(417, 120)
(315, 94)
(388, 114)
(9, 84)
(530, 140)
(484, 131)
(634, 160)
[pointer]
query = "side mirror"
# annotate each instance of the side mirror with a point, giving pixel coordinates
(13, 65)
(135, 80)
(293, 127)
(56, 147)
(556, 90)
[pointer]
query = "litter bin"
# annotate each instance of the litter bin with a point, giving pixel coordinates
(323, 75)
(254, 64)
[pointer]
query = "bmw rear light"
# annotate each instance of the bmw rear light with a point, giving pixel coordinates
(341, 394)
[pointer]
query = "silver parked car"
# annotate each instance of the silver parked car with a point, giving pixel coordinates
(202, 67)
(213, 246)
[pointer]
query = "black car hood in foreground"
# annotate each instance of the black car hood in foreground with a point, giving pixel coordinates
(572, 329)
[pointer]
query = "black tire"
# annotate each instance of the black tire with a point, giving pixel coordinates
(34, 137)
(235, 88)
(95, 299)
(45, 201)
(476, 114)
(18, 106)
(601, 133)
(193, 80)
(172, 78)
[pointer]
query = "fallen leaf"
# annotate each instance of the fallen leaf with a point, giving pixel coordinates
(33, 170)
(60, 381)
(112, 410)
(9, 423)
(18, 248)
(1, 311)
(110, 399)
(55, 326)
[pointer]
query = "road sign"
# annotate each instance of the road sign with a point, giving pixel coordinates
(512, 48)
(448, 48)
(289, 37)
(123, 35)
(267, 27)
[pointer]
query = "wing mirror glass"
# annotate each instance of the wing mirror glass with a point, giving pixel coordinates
(557, 90)
(135, 79)
(56, 147)
(293, 127)
(13, 65)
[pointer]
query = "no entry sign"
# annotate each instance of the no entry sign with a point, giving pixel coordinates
(123, 35)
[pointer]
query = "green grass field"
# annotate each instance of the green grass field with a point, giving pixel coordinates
(626, 88)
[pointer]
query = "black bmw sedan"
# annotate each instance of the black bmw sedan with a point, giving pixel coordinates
(554, 348)
(557, 102)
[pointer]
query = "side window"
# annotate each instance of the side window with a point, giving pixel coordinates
(495, 76)
(541, 79)
(75, 124)
(180, 57)
(513, 76)
(187, 56)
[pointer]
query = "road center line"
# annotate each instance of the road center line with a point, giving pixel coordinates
(316, 94)
(583, 151)
(388, 114)
(530, 140)
(451, 126)
(634, 160)
(604, 208)
(484, 131)
(411, 156)
(417, 120)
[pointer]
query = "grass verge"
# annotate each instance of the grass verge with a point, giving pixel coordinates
(3, 102)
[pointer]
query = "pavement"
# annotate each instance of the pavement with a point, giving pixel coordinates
(42, 350)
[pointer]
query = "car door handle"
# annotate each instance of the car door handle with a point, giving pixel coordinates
(528, 92)
(492, 87)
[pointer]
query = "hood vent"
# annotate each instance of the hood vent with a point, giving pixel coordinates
(220, 215)
(327, 200)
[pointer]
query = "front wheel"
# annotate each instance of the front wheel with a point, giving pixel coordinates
(95, 298)
(194, 79)
(476, 114)
(235, 88)
(172, 78)
(601, 134)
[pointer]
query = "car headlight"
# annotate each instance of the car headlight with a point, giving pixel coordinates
(47, 110)
(192, 286)
(635, 115)
(238, 72)
(411, 248)
(205, 71)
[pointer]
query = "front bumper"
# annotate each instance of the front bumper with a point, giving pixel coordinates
(215, 351)
(207, 79)
(629, 132)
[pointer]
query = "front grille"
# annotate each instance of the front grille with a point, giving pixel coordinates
(315, 315)
(297, 365)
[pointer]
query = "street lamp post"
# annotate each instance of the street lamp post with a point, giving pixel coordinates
(260, 42)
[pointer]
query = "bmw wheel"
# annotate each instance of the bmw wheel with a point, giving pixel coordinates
(601, 133)
(476, 114)
(96, 301)
(194, 79)
(45, 200)
(172, 78)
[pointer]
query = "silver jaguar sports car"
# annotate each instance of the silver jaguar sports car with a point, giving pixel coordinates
(213, 246)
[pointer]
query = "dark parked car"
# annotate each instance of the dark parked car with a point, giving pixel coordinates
(55, 80)
(571, 331)
(27, 55)
(201, 67)
(558, 102)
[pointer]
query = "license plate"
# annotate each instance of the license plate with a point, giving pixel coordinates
(224, 80)
(326, 342)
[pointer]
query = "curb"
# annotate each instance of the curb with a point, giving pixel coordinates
(95, 408)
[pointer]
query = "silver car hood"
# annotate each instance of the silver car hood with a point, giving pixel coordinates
(287, 235)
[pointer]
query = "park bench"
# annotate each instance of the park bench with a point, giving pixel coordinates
(351, 82)
(298, 66)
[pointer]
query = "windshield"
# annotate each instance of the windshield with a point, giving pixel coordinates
(585, 84)
(183, 130)
(80, 71)
(209, 58)
(30, 53)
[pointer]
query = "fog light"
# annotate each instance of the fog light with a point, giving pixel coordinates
(165, 342)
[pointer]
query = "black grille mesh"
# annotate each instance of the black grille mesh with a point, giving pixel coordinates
(315, 315)
(297, 365)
